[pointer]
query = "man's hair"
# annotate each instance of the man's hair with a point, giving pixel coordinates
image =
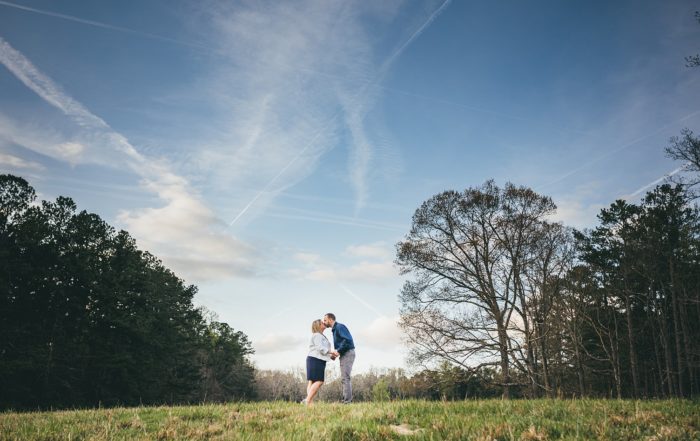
(331, 316)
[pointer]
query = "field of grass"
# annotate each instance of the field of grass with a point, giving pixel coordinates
(470, 420)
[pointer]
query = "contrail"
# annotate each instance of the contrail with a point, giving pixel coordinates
(385, 67)
(662, 178)
(362, 301)
(281, 172)
(354, 222)
(387, 64)
(102, 25)
(622, 147)
(50, 92)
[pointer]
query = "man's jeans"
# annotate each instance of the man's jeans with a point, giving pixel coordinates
(346, 362)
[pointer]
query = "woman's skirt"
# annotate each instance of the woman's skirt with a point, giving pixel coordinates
(315, 369)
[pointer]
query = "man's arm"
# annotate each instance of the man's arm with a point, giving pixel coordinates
(345, 338)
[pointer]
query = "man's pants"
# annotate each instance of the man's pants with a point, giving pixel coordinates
(346, 362)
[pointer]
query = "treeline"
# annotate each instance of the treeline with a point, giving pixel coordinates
(447, 382)
(636, 294)
(611, 311)
(88, 319)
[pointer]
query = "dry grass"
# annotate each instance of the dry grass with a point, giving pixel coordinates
(487, 420)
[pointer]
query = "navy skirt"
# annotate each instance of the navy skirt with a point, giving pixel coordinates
(315, 369)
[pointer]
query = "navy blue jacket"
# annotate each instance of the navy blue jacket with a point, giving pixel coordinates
(342, 340)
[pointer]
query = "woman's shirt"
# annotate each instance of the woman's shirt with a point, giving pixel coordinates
(319, 347)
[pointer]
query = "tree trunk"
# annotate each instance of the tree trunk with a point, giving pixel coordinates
(579, 370)
(615, 359)
(545, 364)
(668, 357)
(659, 390)
(676, 330)
(503, 344)
(688, 344)
(631, 343)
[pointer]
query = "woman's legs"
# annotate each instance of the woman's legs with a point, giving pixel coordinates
(312, 391)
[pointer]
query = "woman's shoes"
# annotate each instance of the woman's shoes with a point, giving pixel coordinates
(303, 401)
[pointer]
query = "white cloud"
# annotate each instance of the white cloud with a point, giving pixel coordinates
(70, 151)
(279, 112)
(363, 272)
(19, 163)
(382, 333)
(374, 266)
(282, 99)
(577, 213)
(54, 144)
(277, 342)
(377, 250)
(287, 97)
(307, 258)
(579, 207)
(184, 232)
(189, 238)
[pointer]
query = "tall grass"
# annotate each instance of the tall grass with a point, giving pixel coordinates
(470, 420)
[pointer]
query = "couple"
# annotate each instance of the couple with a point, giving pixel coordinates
(320, 352)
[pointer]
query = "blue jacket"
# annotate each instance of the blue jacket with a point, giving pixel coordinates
(342, 340)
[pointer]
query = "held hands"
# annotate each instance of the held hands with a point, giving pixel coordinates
(334, 355)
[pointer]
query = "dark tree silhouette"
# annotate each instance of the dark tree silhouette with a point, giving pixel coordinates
(87, 318)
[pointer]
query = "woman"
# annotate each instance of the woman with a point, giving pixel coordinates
(319, 354)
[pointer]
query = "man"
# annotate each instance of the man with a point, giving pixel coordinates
(345, 349)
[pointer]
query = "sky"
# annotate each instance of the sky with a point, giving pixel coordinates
(273, 153)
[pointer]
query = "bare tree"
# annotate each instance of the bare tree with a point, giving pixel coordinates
(273, 385)
(693, 60)
(551, 255)
(686, 149)
(469, 253)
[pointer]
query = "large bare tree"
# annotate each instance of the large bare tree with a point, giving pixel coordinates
(471, 255)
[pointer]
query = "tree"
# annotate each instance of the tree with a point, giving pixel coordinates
(227, 374)
(686, 148)
(380, 391)
(634, 297)
(693, 60)
(470, 254)
(87, 318)
(611, 249)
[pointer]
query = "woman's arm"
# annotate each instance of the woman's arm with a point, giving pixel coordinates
(322, 344)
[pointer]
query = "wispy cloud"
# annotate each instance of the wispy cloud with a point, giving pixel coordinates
(322, 217)
(363, 272)
(184, 232)
(578, 207)
(293, 94)
(378, 250)
(618, 149)
(101, 25)
(278, 342)
(13, 162)
(382, 333)
(370, 263)
(53, 94)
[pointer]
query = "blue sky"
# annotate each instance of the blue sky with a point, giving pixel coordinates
(273, 152)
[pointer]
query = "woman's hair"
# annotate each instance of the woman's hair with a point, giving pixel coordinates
(316, 326)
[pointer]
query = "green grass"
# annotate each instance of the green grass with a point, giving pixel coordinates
(475, 420)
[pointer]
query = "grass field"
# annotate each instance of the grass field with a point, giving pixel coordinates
(470, 420)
